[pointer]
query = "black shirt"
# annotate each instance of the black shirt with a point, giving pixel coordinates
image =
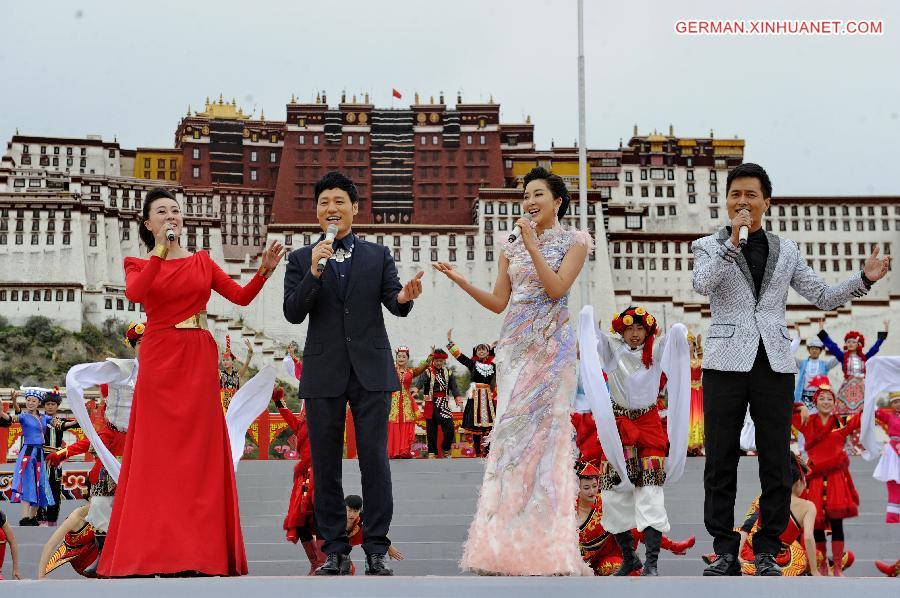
(756, 252)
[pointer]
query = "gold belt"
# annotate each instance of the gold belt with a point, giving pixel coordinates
(198, 320)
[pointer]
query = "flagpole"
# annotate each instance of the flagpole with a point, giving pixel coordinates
(582, 155)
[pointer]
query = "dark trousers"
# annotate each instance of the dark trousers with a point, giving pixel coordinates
(725, 399)
(51, 513)
(431, 432)
(326, 437)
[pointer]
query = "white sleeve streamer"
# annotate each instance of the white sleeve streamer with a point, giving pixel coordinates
(676, 364)
(795, 344)
(882, 374)
(598, 397)
(246, 405)
(289, 367)
(87, 375)
(748, 433)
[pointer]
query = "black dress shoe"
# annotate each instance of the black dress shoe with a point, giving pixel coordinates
(724, 565)
(376, 565)
(766, 565)
(28, 522)
(335, 564)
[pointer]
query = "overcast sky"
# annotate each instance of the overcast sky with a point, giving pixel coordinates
(822, 114)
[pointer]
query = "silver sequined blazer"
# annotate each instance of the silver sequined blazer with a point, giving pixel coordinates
(740, 318)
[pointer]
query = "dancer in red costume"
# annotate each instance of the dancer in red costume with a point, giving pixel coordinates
(831, 487)
(300, 521)
(118, 378)
(598, 547)
(889, 569)
(8, 538)
(74, 543)
(888, 469)
(404, 409)
(179, 416)
(354, 504)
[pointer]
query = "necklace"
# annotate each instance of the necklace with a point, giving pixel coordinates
(342, 254)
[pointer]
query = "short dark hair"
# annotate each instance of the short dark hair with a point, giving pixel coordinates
(337, 180)
(556, 185)
(751, 170)
(352, 501)
(152, 195)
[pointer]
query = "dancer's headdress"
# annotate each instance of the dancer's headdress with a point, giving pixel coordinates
(638, 315)
(134, 333)
(227, 352)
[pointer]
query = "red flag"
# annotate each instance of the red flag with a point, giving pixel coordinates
(396, 94)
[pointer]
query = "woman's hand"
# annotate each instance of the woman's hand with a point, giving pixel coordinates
(249, 347)
(450, 336)
(160, 236)
(449, 271)
(528, 235)
(272, 256)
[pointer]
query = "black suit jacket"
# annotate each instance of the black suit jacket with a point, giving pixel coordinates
(346, 332)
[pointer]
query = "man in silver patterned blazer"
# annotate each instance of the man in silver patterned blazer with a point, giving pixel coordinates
(747, 360)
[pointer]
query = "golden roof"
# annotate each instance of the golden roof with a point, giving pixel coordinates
(222, 110)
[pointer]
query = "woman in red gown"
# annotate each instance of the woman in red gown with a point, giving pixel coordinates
(404, 410)
(176, 507)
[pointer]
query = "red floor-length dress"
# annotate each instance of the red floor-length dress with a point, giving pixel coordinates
(176, 506)
(403, 414)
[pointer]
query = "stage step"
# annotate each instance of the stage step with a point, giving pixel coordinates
(435, 502)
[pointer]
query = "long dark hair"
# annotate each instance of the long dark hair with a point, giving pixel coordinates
(152, 195)
(556, 185)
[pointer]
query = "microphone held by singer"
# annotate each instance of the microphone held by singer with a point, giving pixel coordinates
(517, 231)
(330, 233)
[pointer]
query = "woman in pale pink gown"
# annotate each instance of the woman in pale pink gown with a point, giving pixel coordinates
(525, 523)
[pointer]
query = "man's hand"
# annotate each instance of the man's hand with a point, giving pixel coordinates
(412, 289)
(742, 218)
(876, 268)
(322, 249)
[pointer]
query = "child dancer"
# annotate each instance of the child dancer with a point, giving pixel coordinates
(300, 520)
(636, 467)
(831, 486)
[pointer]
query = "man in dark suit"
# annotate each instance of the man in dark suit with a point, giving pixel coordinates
(347, 359)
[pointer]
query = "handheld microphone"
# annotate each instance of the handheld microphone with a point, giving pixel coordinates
(330, 232)
(743, 232)
(517, 231)
(170, 234)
